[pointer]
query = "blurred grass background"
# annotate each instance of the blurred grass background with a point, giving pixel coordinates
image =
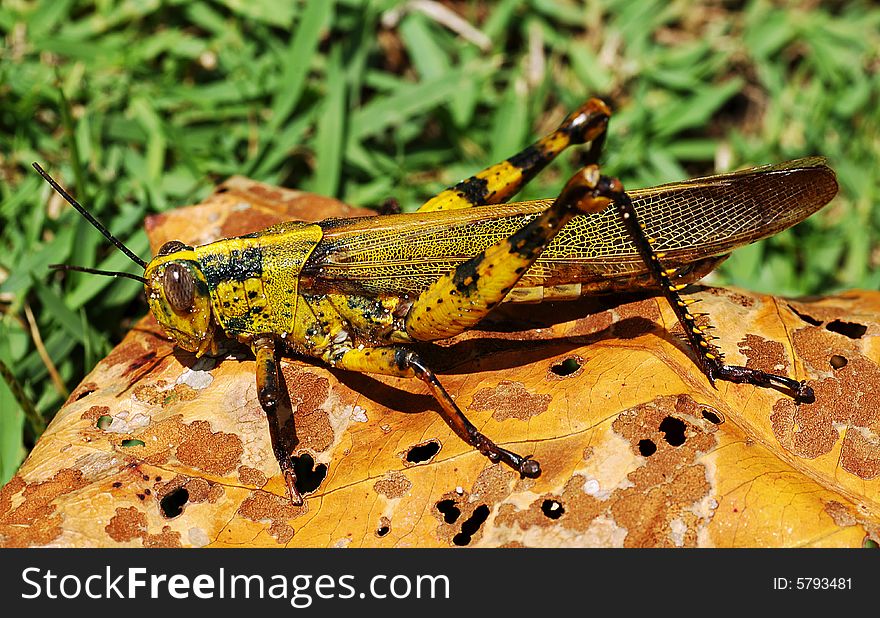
(138, 106)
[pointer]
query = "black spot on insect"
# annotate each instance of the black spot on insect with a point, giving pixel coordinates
(308, 475)
(552, 509)
(673, 430)
(530, 161)
(382, 531)
(847, 329)
(117, 485)
(173, 502)
(647, 447)
(252, 294)
(449, 510)
(470, 527)
(467, 275)
(474, 190)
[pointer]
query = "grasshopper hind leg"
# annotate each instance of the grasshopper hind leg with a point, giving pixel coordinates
(709, 358)
(269, 394)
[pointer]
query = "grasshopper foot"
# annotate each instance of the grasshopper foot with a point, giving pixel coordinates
(801, 392)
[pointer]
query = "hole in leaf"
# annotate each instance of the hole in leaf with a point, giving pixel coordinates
(308, 475)
(837, 361)
(673, 430)
(712, 417)
(566, 367)
(133, 443)
(552, 509)
(104, 421)
(85, 393)
(449, 511)
(647, 447)
(421, 453)
(471, 526)
(172, 504)
(382, 531)
(806, 318)
(847, 329)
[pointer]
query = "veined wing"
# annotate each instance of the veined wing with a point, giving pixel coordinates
(691, 220)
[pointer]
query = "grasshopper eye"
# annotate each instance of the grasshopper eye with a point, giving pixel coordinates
(179, 287)
(172, 246)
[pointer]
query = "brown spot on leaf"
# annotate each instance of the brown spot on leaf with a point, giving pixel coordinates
(308, 392)
(34, 520)
(860, 454)
(166, 538)
(816, 346)
(94, 413)
(840, 513)
(155, 395)
(764, 355)
(217, 453)
(645, 309)
(850, 397)
(740, 299)
(394, 485)
(128, 523)
(263, 506)
(251, 476)
(801, 430)
(510, 400)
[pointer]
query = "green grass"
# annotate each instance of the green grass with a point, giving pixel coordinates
(142, 106)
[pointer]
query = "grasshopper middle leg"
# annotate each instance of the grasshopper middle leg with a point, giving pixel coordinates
(401, 362)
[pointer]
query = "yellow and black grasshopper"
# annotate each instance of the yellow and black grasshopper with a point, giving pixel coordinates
(355, 292)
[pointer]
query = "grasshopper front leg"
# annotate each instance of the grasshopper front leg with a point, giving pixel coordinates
(269, 394)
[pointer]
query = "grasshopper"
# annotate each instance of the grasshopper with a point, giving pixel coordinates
(355, 293)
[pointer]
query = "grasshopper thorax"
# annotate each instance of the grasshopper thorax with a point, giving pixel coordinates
(177, 292)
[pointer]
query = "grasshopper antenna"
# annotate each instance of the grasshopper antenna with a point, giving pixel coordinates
(95, 271)
(95, 223)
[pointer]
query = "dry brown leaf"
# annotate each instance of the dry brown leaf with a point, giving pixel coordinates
(637, 448)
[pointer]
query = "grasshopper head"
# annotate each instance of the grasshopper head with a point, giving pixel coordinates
(179, 299)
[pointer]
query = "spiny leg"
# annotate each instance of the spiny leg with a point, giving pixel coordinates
(708, 356)
(269, 394)
(460, 299)
(400, 362)
(500, 182)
